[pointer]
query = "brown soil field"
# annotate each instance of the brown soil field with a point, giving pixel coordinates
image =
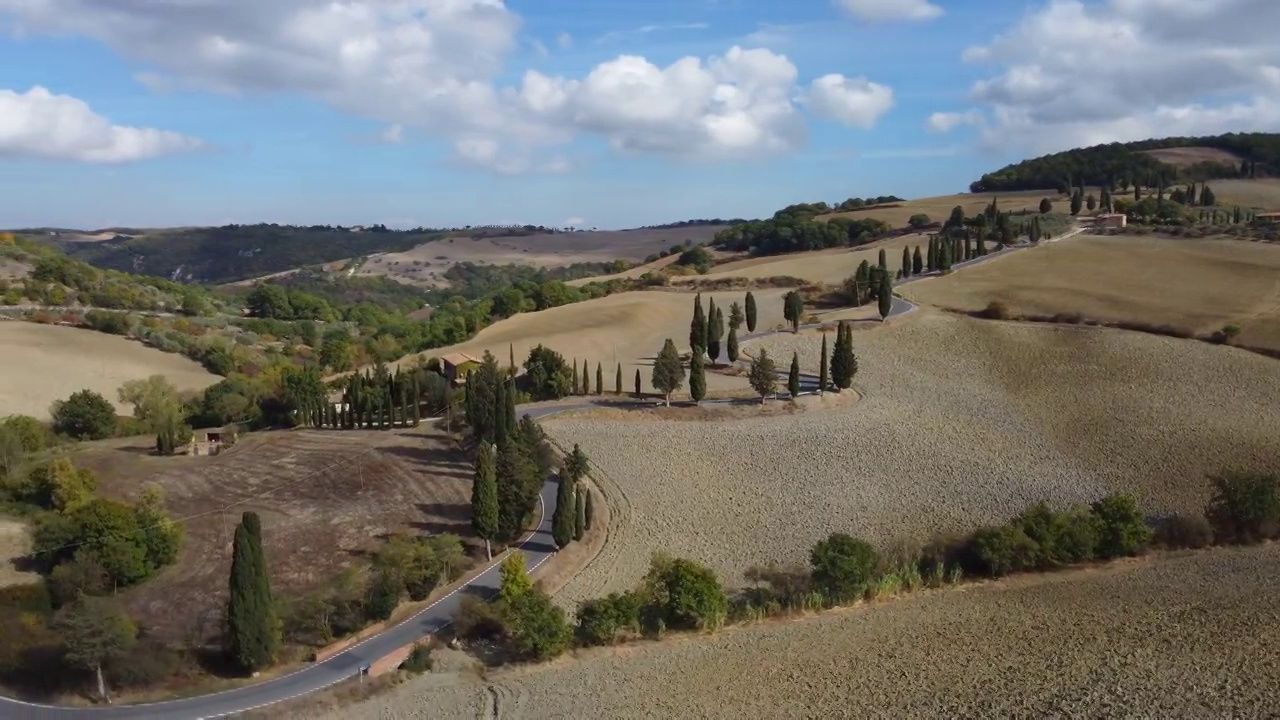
(545, 250)
(15, 542)
(939, 208)
(819, 266)
(1199, 284)
(627, 328)
(961, 422)
(43, 363)
(1262, 193)
(1185, 156)
(631, 274)
(325, 498)
(1175, 636)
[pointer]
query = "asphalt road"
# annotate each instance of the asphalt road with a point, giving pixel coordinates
(537, 547)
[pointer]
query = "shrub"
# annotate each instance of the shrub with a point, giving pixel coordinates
(145, 664)
(843, 566)
(384, 595)
(684, 594)
(606, 620)
(1184, 531)
(32, 598)
(997, 310)
(1245, 507)
(1122, 531)
(538, 626)
(1061, 538)
(1005, 549)
(918, 220)
(419, 660)
(85, 415)
(478, 620)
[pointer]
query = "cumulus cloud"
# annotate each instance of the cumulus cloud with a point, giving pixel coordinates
(881, 10)
(1080, 73)
(852, 101)
(944, 122)
(431, 65)
(41, 124)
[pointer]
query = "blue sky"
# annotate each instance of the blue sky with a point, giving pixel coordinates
(122, 112)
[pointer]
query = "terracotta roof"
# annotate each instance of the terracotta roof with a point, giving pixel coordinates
(456, 359)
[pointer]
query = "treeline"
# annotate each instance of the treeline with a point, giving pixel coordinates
(473, 281)
(341, 291)
(693, 223)
(1127, 162)
(787, 233)
(683, 595)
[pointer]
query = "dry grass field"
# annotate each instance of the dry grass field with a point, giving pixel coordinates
(43, 363)
(627, 328)
(820, 266)
(1198, 284)
(14, 543)
(324, 497)
(962, 422)
(426, 264)
(938, 208)
(1262, 193)
(631, 274)
(1180, 636)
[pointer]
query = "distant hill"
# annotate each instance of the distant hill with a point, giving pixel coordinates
(1175, 159)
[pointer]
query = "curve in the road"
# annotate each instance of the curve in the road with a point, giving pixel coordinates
(538, 547)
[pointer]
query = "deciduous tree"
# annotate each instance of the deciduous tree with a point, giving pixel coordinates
(94, 630)
(735, 315)
(668, 372)
(763, 375)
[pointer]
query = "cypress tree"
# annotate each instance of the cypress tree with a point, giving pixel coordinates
(417, 401)
(251, 622)
(511, 357)
(563, 519)
(580, 514)
(822, 366)
(715, 331)
(668, 372)
(944, 257)
(884, 260)
(906, 261)
(638, 393)
(793, 376)
(599, 379)
(500, 426)
(917, 262)
(576, 389)
(697, 379)
(617, 381)
(590, 514)
(510, 413)
(484, 497)
(763, 375)
(732, 345)
(698, 327)
(586, 379)
(751, 313)
(843, 363)
(885, 296)
(933, 254)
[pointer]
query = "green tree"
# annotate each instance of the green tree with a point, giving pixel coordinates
(763, 375)
(668, 372)
(252, 635)
(563, 519)
(587, 509)
(793, 309)
(1245, 507)
(731, 346)
(161, 536)
(85, 415)
(698, 327)
(586, 379)
(539, 629)
(883, 260)
(576, 463)
(885, 296)
(793, 376)
(842, 566)
(697, 379)
(94, 632)
(751, 313)
(735, 315)
(484, 498)
(687, 595)
(617, 381)
(599, 379)
(515, 578)
(844, 365)
(638, 388)
(384, 594)
(823, 373)
(1090, 202)
(1077, 201)
(580, 514)
(157, 406)
(917, 262)
(906, 262)
(918, 221)
(547, 375)
(577, 390)
(1123, 530)
(1046, 206)
(715, 332)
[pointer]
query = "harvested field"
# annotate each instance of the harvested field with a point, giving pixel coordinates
(1262, 193)
(1187, 156)
(962, 422)
(1201, 285)
(426, 264)
(325, 497)
(15, 542)
(819, 266)
(939, 208)
(630, 327)
(631, 274)
(1178, 636)
(43, 363)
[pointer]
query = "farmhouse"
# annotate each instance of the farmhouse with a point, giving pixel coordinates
(1110, 220)
(1267, 218)
(456, 366)
(209, 442)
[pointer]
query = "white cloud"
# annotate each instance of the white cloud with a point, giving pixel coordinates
(852, 101)
(394, 134)
(881, 10)
(1076, 73)
(944, 122)
(574, 222)
(40, 124)
(431, 65)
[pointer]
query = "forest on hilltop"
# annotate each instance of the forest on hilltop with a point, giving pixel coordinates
(1108, 164)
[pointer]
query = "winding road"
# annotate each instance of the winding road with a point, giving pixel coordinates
(537, 547)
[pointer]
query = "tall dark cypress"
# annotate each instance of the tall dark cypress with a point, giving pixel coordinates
(580, 514)
(509, 408)
(822, 366)
(751, 313)
(638, 393)
(617, 381)
(599, 379)
(793, 376)
(698, 326)
(906, 261)
(563, 520)
(917, 262)
(484, 497)
(500, 426)
(586, 379)
(251, 641)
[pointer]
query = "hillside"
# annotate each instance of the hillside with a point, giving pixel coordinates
(1237, 155)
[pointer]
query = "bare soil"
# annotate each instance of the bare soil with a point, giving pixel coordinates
(325, 497)
(15, 542)
(1187, 635)
(1261, 193)
(1201, 284)
(43, 363)
(1187, 156)
(939, 208)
